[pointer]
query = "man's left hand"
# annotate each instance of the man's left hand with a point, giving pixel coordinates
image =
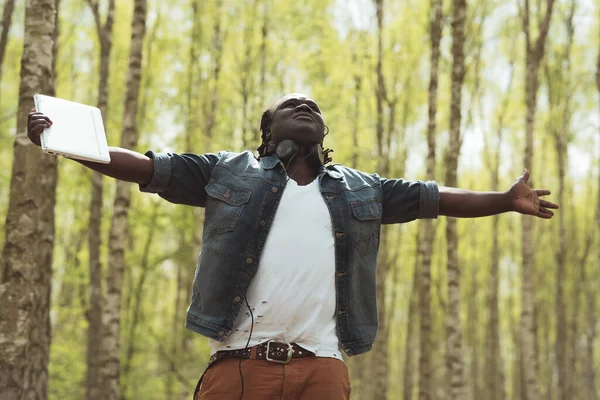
(527, 200)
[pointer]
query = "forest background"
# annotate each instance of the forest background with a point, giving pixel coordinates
(466, 93)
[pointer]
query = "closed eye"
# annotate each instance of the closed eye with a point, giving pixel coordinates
(293, 104)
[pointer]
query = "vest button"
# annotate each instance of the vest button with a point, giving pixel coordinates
(274, 189)
(248, 260)
(221, 334)
(237, 299)
(339, 234)
(262, 223)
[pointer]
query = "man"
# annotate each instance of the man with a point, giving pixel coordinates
(286, 278)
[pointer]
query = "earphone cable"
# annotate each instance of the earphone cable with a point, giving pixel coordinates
(246, 348)
(290, 161)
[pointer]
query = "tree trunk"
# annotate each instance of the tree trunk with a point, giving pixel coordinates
(377, 373)
(212, 104)
(357, 77)
(562, 76)
(534, 55)
(591, 287)
(517, 390)
(185, 263)
(94, 385)
(26, 263)
(9, 7)
(454, 357)
(428, 232)
(246, 78)
(380, 91)
(472, 327)
(110, 369)
(412, 333)
(494, 377)
(138, 293)
(264, 40)
(194, 78)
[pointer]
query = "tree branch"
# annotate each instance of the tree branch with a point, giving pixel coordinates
(94, 7)
(544, 27)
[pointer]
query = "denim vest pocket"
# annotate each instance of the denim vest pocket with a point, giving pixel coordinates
(225, 204)
(367, 222)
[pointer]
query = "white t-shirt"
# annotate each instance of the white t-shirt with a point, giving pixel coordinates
(292, 295)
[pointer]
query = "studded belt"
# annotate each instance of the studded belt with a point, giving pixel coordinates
(276, 352)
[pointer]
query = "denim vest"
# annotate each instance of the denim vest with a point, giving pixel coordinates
(240, 194)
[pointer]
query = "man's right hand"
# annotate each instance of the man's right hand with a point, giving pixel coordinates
(125, 165)
(36, 123)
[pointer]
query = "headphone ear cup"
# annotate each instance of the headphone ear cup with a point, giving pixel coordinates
(320, 154)
(285, 150)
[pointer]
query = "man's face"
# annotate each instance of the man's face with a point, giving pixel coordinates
(298, 118)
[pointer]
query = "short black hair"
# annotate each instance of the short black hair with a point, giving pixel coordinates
(265, 135)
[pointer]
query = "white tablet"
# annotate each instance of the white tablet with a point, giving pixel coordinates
(77, 130)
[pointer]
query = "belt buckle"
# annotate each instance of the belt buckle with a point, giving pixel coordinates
(290, 352)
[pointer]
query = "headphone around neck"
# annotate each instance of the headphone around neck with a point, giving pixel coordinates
(286, 150)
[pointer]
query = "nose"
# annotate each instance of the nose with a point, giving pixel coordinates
(303, 107)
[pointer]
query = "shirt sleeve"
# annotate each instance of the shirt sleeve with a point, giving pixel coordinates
(405, 201)
(181, 178)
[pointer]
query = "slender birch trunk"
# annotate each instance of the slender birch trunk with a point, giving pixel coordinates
(412, 335)
(377, 361)
(494, 366)
(357, 78)
(217, 54)
(138, 296)
(591, 287)
(26, 262)
(264, 40)
(94, 384)
(454, 347)
(110, 368)
(428, 232)
(556, 96)
(527, 341)
(247, 88)
(7, 12)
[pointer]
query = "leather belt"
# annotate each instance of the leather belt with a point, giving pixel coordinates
(276, 352)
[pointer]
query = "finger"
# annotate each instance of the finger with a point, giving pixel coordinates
(548, 204)
(39, 122)
(36, 128)
(38, 116)
(542, 192)
(34, 134)
(545, 215)
(525, 175)
(544, 210)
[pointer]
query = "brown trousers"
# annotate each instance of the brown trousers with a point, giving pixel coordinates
(311, 378)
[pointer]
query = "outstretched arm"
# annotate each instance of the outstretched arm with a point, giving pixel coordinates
(125, 165)
(520, 198)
